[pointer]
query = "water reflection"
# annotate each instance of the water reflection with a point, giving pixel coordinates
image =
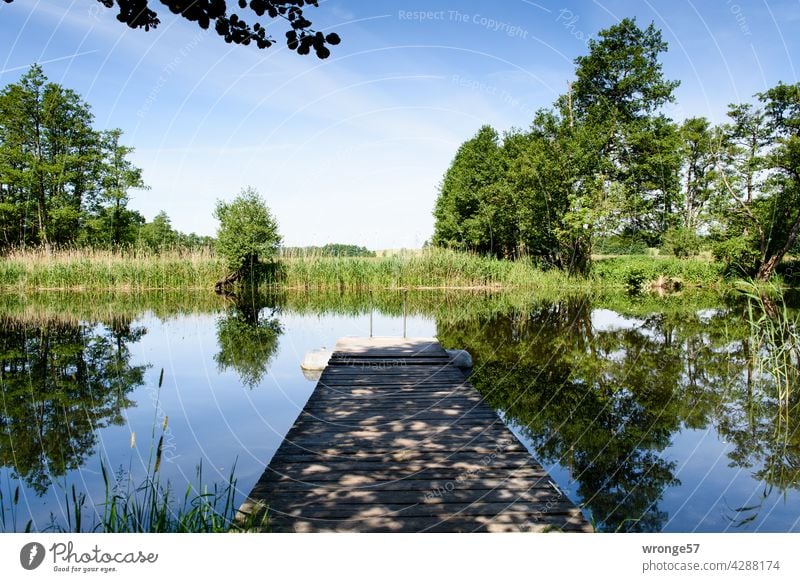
(605, 396)
(60, 383)
(605, 390)
(247, 336)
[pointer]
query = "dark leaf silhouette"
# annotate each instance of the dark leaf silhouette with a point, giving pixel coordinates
(230, 26)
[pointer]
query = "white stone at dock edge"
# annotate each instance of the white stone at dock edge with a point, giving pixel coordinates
(316, 359)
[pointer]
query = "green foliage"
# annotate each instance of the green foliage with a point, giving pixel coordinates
(738, 254)
(636, 271)
(464, 217)
(602, 162)
(606, 171)
(248, 233)
(61, 181)
(621, 76)
(760, 207)
(700, 149)
(682, 242)
(619, 245)
(158, 234)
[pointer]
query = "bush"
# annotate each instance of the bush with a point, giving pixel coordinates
(681, 242)
(635, 272)
(738, 255)
(248, 233)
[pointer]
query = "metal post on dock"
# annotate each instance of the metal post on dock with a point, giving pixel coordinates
(370, 313)
(405, 295)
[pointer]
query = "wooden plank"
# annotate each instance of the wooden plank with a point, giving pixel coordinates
(500, 523)
(443, 510)
(477, 483)
(433, 496)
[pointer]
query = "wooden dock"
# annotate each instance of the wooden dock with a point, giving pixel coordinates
(394, 439)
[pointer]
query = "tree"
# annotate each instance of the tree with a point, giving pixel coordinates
(621, 78)
(601, 162)
(464, 215)
(61, 181)
(47, 150)
(619, 90)
(760, 182)
(118, 176)
(782, 106)
(247, 235)
(699, 150)
(158, 234)
(300, 37)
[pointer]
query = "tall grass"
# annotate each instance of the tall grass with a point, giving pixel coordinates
(439, 268)
(432, 268)
(149, 506)
(86, 269)
(775, 333)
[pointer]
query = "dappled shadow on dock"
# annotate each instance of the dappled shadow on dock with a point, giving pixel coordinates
(394, 438)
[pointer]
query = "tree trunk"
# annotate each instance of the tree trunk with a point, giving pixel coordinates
(227, 281)
(767, 268)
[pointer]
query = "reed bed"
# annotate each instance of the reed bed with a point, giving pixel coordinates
(775, 335)
(138, 270)
(87, 269)
(433, 268)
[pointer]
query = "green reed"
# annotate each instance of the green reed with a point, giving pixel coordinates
(775, 331)
(86, 269)
(147, 506)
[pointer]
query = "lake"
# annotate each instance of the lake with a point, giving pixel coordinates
(652, 413)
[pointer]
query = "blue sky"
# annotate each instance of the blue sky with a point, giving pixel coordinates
(352, 149)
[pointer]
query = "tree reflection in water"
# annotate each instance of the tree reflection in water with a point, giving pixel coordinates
(60, 383)
(247, 336)
(605, 401)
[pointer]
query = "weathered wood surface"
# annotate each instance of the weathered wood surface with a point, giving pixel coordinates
(394, 439)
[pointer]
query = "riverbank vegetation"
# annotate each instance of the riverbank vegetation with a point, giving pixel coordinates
(605, 166)
(22, 271)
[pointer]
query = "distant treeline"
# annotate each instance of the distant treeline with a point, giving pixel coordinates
(328, 250)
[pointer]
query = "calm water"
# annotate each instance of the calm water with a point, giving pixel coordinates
(651, 413)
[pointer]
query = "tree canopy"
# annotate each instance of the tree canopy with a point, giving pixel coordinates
(61, 180)
(605, 163)
(247, 235)
(231, 26)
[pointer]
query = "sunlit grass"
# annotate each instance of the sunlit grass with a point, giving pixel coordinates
(137, 270)
(87, 269)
